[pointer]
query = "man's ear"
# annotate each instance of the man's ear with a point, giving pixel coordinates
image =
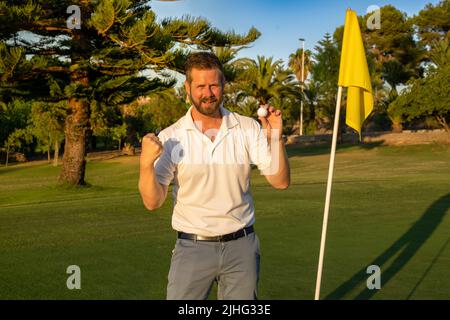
(187, 87)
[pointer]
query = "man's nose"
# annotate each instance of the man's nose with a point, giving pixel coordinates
(209, 91)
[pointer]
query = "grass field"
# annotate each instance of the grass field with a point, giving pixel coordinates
(390, 207)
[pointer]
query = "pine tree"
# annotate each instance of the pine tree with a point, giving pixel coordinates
(325, 72)
(93, 58)
(433, 22)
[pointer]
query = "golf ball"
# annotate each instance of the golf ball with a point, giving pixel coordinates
(262, 112)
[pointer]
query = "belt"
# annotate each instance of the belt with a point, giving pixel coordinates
(223, 238)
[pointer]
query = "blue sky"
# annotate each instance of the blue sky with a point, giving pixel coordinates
(281, 22)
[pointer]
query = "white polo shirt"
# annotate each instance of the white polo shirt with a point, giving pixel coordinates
(212, 179)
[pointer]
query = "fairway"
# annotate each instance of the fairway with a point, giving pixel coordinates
(390, 207)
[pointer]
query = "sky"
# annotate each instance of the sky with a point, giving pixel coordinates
(281, 22)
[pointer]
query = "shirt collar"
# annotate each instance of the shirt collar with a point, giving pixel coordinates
(228, 118)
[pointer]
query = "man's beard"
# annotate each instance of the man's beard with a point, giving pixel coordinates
(206, 111)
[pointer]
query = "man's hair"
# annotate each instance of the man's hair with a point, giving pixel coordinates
(202, 60)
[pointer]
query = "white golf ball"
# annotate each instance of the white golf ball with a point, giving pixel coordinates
(262, 112)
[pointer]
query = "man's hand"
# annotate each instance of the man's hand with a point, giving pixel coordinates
(273, 122)
(280, 176)
(152, 148)
(153, 193)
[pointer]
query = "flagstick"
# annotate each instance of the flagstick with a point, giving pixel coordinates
(327, 198)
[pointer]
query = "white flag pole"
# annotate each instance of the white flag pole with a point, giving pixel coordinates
(328, 195)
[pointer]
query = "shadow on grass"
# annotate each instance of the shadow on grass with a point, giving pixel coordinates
(9, 169)
(67, 186)
(428, 269)
(325, 148)
(405, 247)
(21, 166)
(14, 166)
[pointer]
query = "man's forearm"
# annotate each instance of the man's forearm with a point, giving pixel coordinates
(281, 177)
(152, 192)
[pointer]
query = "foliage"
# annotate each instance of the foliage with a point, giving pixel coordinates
(426, 97)
(118, 132)
(264, 79)
(325, 72)
(440, 53)
(13, 115)
(433, 22)
(158, 111)
(47, 123)
(18, 139)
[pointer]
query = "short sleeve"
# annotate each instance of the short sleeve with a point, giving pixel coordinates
(259, 149)
(164, 166)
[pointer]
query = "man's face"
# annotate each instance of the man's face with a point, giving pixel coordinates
(205, 90)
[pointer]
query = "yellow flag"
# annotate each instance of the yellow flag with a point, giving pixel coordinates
(354, 74)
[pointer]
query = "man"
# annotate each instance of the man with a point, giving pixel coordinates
(207, 154)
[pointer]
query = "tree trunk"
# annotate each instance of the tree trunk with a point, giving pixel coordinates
(130, 139)
(56, 155)
(442, 122)
(74, 162)
(397, 127)
(48, 153)
(128, 149)
(77, 122)
(7, 156)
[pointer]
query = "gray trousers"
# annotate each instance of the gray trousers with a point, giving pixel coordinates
(196, 265)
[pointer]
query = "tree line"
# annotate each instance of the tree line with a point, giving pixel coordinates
(81, 89)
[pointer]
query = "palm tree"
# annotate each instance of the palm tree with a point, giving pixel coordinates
(300, 63)
(235, 99)
(295, 63)
(264, 79)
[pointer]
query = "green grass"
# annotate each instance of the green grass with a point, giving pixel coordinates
(390, 206)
